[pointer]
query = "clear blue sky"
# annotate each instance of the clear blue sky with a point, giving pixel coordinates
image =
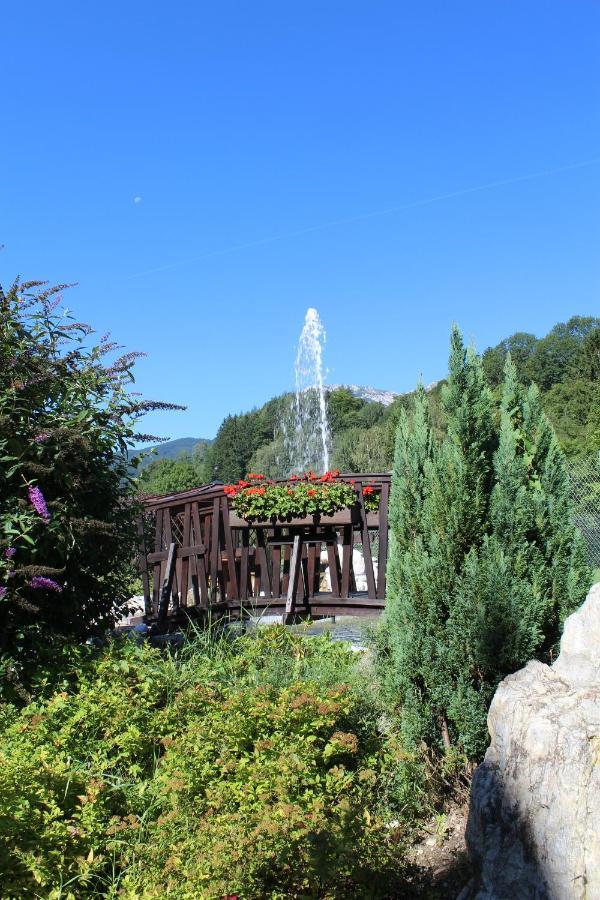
(245, 127)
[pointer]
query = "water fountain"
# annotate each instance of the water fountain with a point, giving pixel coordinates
(306, 431)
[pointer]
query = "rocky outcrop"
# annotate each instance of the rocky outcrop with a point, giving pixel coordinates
(534, 822)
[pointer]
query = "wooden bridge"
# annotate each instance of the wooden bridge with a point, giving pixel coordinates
(197, 556)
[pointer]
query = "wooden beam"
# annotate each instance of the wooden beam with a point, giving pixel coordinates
(383, 540)
(290, 604)
(366, 545)
(167, 584)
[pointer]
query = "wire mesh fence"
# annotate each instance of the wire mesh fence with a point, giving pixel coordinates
(584, 474)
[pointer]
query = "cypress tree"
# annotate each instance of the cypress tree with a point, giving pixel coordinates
(531, 512)
(438, 512)
(484, 561)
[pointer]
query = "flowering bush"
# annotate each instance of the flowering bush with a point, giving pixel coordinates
(301, 495)
(246, 769)
(67, 501)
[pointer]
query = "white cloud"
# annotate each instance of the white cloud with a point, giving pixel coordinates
(137, 199)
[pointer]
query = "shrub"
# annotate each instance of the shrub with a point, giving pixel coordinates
(219, 771)
(484, 560)
(67, 508)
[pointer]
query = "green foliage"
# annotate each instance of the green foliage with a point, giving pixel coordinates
(521, 346)
(484, 561)
(250, 767)
(67, 509)
(238, 438)
(565, 365)
(168, 476)
(358, 450)
(573, 407)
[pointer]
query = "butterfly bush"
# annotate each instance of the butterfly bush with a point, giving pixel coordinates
(38, 501)
(40, 583)
(68, 498)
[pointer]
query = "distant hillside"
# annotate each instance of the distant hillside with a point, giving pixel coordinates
(172, 449)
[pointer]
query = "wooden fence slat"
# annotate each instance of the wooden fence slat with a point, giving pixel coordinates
(184, 558)
(383, 540)
(366, 545)
(276, 562)
(157, 566)
(333, 560)
(244, 568)
(312, 569)
(214, 550)
(290, 605)
(167, 585)
(168, 538)
(198, 562)
(231, 562)
(143, 564)
(346, 560)
(265, 578)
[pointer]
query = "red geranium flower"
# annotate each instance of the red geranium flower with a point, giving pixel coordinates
(311, 492)
(368, 489)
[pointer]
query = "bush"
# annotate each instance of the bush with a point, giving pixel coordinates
(485, 562)
(67, 507)
(239, 767)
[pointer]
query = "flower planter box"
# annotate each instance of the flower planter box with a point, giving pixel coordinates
(348, 516)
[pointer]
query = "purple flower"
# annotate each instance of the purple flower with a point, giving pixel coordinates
(37, 500)
(3, 591)
(10, 552)
(41, 437)
(39, 583)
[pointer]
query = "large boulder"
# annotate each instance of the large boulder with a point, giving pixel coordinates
(534, 821)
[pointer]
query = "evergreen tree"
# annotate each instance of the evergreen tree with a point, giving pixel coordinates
(484, 561)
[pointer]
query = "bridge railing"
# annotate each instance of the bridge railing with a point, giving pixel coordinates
(196, 555)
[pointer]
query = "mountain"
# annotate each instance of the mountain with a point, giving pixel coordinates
(371, 394)
(365, 392)
(172, 449)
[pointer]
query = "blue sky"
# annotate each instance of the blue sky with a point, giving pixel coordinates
(244, 130)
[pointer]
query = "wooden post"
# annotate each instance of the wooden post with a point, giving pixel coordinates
(233, 582)
(383, 540)
(143, 567)
(367, 555)
(214, 550)
(167, 584)
(290, 605)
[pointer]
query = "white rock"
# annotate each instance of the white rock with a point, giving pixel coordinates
(534, 821)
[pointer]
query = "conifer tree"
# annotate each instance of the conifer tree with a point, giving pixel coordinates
(484, 561)
(438, 512)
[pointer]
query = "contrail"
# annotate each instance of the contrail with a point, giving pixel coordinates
(334, 223)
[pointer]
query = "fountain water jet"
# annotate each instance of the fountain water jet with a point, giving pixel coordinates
(306, 434)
